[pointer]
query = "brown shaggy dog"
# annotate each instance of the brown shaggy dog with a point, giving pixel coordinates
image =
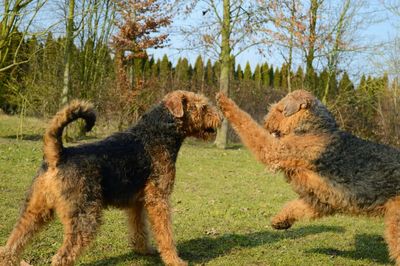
(331, 170)
(133, 170)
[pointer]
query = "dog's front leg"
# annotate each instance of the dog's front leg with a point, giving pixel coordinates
(294, 211)
(392, 229)
(158, 210)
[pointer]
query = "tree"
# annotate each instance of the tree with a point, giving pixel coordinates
(247, 75)
(95, 20)
(209, 73)
(15, 27)
(287, 30)
(258, 77)
(346, 87)
(225, 30)
(140, 22)
(265, 75)
(277, 79)
(165, 73)
(69, 40)
(198, 75)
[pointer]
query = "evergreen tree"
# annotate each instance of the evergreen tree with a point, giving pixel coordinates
(155, 69)
(165, 74)
(345, 84)
(322, 82)
(298, 79)
(271, 75)
(147, 68)
(363, 83)
(247, 75)
(198, 75)
(239, 73)
(257, 77)
(277, 79)
(266, 81)
(284, 77)
(209, 73)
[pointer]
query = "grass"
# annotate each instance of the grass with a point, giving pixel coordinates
(222, 204)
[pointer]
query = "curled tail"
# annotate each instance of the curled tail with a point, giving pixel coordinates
(53, 145)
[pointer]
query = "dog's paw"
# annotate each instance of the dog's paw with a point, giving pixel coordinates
(24, 263)
(178, 262)
(6, 259)
(221, 98)
(145, 251)
(281, 224)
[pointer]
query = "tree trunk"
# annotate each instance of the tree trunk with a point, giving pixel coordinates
(312, 34)
(221, 140)
(68, 52)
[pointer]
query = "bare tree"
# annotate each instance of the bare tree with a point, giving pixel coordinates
(223, 30)
(15, 24)
(284, 27)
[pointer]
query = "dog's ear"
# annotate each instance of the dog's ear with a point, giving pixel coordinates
(293, 105)
(175, 103)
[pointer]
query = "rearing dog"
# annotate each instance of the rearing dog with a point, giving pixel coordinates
(133, 170)
(331, 170)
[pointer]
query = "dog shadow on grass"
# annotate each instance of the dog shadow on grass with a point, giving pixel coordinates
(367, 246)
(204, 249)
(30, 137)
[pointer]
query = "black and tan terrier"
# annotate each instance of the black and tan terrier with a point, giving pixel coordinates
(132, 170)
(332, 171)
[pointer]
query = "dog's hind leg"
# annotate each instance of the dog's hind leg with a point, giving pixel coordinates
(297, 210)
(137, 223)
(392, 229)
(35, 214)
(81, 221)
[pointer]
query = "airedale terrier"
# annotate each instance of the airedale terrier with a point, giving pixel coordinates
(133, 170)
(332, 171)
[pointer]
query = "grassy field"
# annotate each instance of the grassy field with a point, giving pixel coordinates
(223, 202)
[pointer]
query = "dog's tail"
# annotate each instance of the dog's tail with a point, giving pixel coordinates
(53, 145)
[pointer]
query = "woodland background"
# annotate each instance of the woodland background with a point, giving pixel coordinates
(103, 51)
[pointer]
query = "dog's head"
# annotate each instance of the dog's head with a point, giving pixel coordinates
(299, 112)
(197, 117)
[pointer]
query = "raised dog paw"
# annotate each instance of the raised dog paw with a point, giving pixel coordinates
(221, 99)
(224, 102)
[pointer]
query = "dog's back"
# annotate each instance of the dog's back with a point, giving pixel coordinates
(369, 172)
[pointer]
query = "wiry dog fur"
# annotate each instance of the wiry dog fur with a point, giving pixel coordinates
(133, 170)
(332, 171)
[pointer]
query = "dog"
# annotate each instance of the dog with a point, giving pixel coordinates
(132, 170)
(331, 170)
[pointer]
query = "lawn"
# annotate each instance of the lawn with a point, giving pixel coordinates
(222, 205)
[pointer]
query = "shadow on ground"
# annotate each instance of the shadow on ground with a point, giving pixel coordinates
(367, 246)
(204, 249)
(31, 137)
